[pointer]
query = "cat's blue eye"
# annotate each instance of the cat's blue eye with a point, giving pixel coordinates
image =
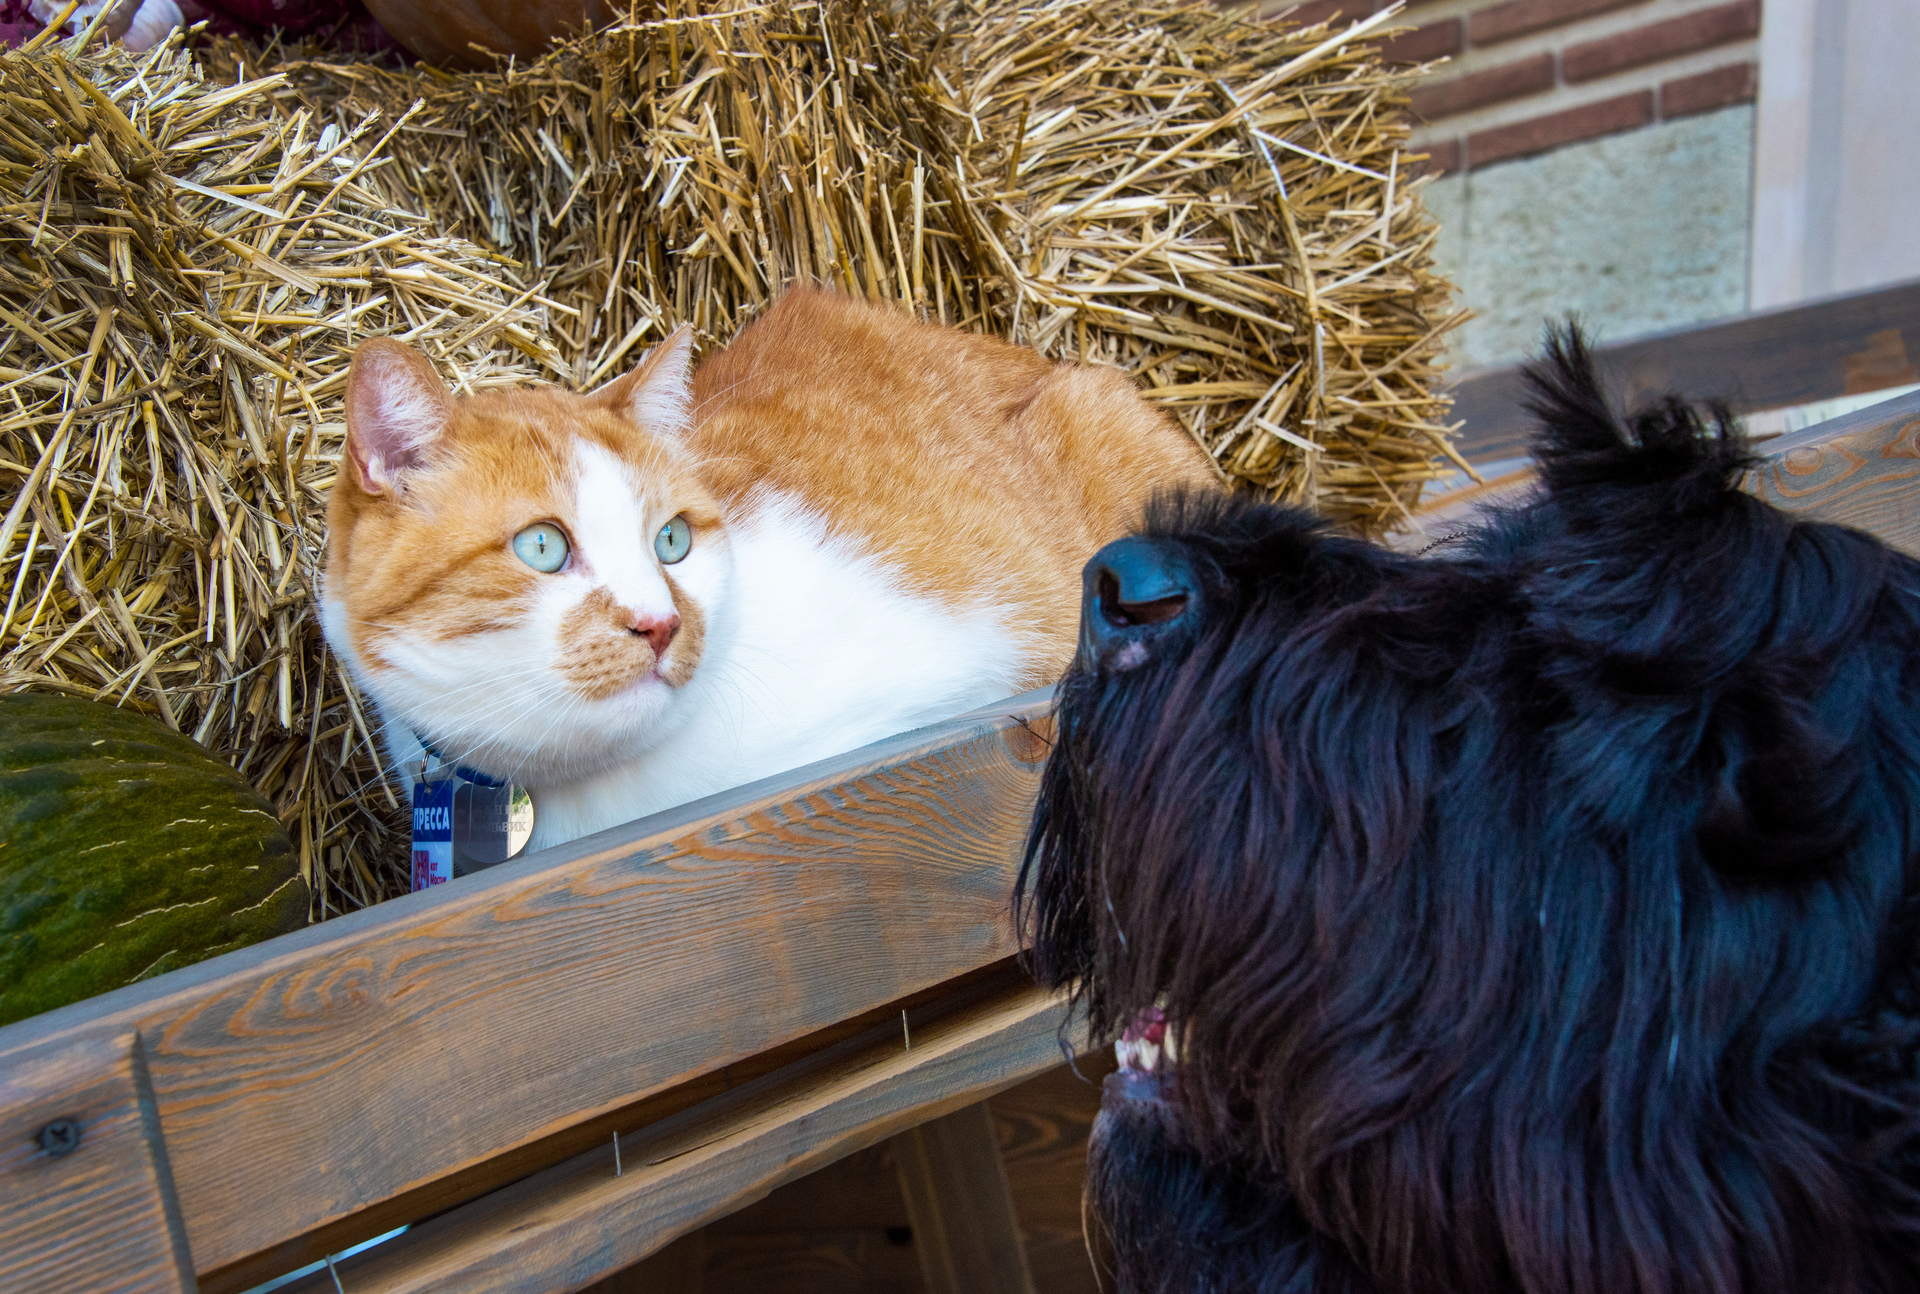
(673, 541)
(541, 546)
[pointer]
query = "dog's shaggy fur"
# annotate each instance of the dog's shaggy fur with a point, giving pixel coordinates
(1540, 915)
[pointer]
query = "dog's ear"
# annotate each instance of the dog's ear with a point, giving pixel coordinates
(1581, 441)
(1789, 741)
(1781, 803)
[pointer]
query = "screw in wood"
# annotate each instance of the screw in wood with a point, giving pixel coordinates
(60, 1138)
(616, 1154)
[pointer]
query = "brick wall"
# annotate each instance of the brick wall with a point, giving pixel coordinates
(1524, 77)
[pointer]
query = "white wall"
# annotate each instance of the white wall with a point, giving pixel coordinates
(1836, 202)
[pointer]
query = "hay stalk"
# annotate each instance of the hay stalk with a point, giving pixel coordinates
(190, 246)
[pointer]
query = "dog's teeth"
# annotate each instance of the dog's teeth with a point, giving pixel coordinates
(1142, 1042)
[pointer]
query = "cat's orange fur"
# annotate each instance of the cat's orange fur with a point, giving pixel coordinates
(888, 521)
(879, 421)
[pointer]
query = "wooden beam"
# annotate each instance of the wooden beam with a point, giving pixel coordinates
(305, 1081)
(1845, 345)
(573, 1224)
(1862, 470)
(964, 1225)
(86, 1202)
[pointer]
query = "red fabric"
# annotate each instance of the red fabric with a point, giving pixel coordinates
(17, 26)
(343, 24)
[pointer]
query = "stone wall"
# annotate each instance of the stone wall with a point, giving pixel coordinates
(1595, 157)
(1633, 232)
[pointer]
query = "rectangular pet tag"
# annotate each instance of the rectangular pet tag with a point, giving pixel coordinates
(432, 832)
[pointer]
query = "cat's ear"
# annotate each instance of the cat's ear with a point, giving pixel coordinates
(398, 408)
(657, 393)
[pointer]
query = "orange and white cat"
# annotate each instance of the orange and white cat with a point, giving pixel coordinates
(844, 525)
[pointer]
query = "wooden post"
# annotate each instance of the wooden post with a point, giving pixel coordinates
(86, 1201)
(964, 1226)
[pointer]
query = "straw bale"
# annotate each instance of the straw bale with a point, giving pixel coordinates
(183, 266)
(188, 249)
(1226, 211)
(1219, 205)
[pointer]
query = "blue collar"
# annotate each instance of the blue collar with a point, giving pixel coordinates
(460, 771)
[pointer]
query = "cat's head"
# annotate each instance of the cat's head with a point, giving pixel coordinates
(523, 578)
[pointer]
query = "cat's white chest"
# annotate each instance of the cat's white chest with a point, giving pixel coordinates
(818, 649)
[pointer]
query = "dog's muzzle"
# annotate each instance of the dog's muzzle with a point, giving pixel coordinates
(1135, 594)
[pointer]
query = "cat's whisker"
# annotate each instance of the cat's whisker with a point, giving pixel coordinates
(564, 713)
(524, 704)
(709, 461)
(553, 467)
(491, 679)
(489, 686)
(733, 681)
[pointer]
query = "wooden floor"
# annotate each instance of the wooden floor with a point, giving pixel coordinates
(844, 1230)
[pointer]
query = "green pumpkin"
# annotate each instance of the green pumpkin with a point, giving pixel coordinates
(126, 850)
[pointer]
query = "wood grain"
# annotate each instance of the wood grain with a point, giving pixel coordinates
(811, 1262)
(858, 1193)
(101, 1216)
(680, 1268)
(573, 1224)
(489, 1013)
(1862, 470)
(844, 1229)
(964, 1225)
(432, 1198)
(1845, 345)
(841, 1229)
(1043, 1126)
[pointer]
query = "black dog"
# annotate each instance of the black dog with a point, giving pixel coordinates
(1541, 916)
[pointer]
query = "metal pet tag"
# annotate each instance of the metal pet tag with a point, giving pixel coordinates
(462, 823)
(490, 824)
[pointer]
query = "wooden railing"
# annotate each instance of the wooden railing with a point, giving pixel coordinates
(1856, 469)
(1859, 470)
(743, 989)
(1846, 345)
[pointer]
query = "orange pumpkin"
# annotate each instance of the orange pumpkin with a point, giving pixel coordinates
(443, 32)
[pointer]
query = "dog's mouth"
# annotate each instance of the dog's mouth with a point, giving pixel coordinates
(1147, 1054)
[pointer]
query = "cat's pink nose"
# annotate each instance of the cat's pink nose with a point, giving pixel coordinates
(658, 633)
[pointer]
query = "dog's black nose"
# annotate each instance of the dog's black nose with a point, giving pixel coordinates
(1134, 591)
